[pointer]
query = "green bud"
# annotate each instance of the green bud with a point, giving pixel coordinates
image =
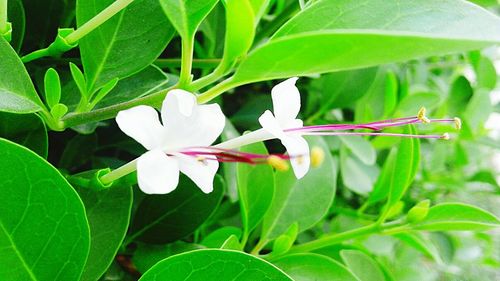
(419, 212)
(396, 209)
(285, 241)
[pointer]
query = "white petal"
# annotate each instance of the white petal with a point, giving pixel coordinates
(298, 148)
(271, 124)
(201, 128)
(202, 173)
(177, 102)
(142, 124)
(157, 173)
(286, 101)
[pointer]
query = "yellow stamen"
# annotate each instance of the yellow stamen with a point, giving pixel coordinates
(458, 123)
(421, 116)
(278, 163)
(202, 159)
(317, 156)
(445, 136)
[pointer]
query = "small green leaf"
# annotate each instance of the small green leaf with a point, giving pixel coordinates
(310, 267)
(217, 238)
(106, 88)
(58, 111)
(26, 129)
(108, 213)
(255, 189)
(361, 148)
(166, 218)
(421, 243)
(187, 15)
(356, 175)
(214, 265)
(305, 201)
(79, 79)
(52, 85)
(17, 93)
(285, 241)
(486, 73)
(460, 94)
(457, 216)
(232, 243)
(44, 234)
(362, 266)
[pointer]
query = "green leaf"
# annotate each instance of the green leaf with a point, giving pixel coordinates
(240, 31)
(146, 256)
(170, 217)
(486, 73)
(44, 234)
(27, 130)
(52, 85)
(124, 44)
(478, 110)
(15, 13)
(58, 110)
(17, 93)
(305, 201)
(310, 267)
(362, 266)
(259, 8)
(106, 88)
(421, 243)
(214, 265)
(457, 216)
(187, 15)
(232, 243)
(361, 148)
(356, 175)
(460, 94)
(108, 213)
(285, 241)
(79, 79)
(339, 40)
(217, 238)
(410, 104)
(255, 189)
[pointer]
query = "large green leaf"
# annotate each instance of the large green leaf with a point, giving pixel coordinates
(305, 201)
(17, 93)
(166, 218)
(255, 189)
(44, 234)
(147, 255)
(108, 212)
(214, 265)
(333, 35)
(187, 15)
(123, 45)
(363, 266)
(457, 216)
(27, 130)
(311, 267)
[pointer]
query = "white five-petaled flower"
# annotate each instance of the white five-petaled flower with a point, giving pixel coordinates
(185, 124)
(286, 105)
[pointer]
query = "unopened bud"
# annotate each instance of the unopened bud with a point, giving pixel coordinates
(458, 123)
(445, 136)
(278, 163)
(421, 116)
(419, 212)
(317, 156)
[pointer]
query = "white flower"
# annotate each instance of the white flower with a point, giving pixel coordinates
(185, 124)
(286, 105)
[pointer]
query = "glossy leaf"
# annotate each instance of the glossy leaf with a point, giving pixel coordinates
(187, 15)
(457, 216)
(44, 234)
(146, 256)
(217, 238)
(27, 130)
(255, 189)
(165, 218)
(214, 265)
(52, 85)
(123, 45)
(16, 15)
(362, 266)
(339, 40)
(17, 93)
(305, 201)
(310, 267)
(108, 213)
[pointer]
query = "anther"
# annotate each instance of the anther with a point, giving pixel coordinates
(445, 136)
(202, 160)
(421, 116)
(317, 156)
(458, 123)
(278, 163)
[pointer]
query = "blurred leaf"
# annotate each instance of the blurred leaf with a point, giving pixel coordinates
(486, 73)
(421, 243)
(146, 256)
(356, 175)
(410, 105)
(362, 266)
(361, 148)
(478, 110)
(460, 94)
(224, 265)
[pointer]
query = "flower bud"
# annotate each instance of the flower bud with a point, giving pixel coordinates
(419, 212)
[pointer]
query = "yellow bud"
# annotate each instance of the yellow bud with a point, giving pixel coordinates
(445, 136)
(458, 123)
(278, 163)
(421, 116)
(317, 156)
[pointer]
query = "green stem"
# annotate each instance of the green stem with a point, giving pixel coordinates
(197, 63)
(35, 55)
(186, 61)
(208, 79)
(3, 17)
(120, 172)
(217, 90)
(97, 20)
(259, 246)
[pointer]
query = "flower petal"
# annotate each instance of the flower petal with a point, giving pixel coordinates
(142, 124)
(202, 173)
(286, 101)
(271, 124)
(177, 102)
(157, 173)
(298, 148)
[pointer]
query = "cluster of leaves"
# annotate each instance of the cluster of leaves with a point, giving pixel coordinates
(362, 215)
